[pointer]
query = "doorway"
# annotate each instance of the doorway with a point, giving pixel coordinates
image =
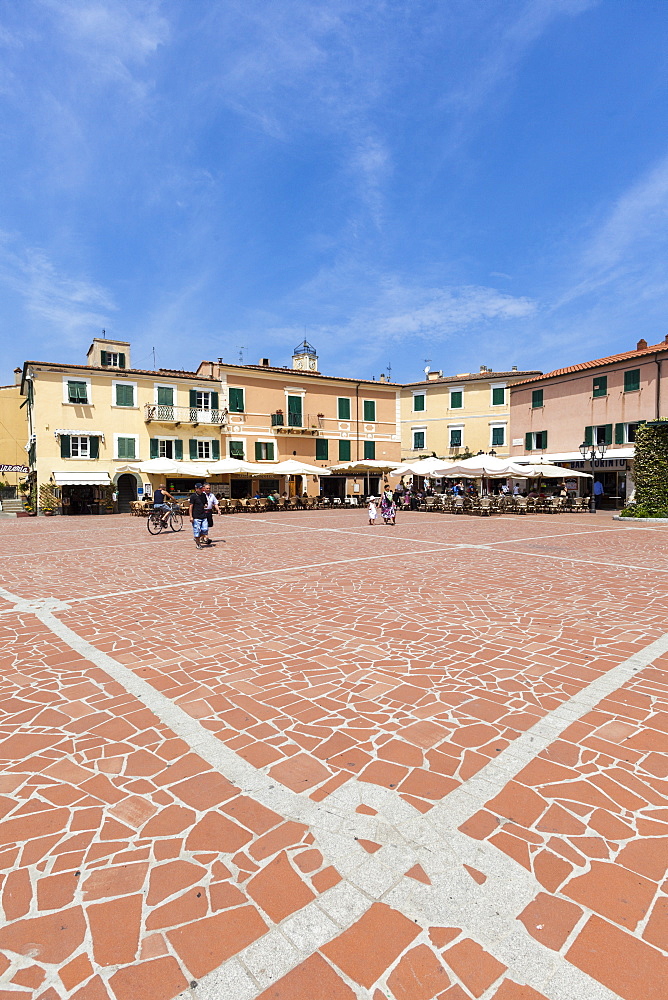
(127, 492)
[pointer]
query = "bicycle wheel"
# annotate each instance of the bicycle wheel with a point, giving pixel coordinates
(176, 522)
(154, 523)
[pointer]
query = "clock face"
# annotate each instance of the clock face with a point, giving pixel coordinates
(311, 363)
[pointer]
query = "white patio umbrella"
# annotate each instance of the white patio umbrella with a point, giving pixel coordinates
(364, 468)
(546, 470)
(481, 467)
(422, 467)
(292, 467)
(233, 467)
(166, 467)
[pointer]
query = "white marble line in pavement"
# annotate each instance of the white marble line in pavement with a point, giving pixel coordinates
(488, 912)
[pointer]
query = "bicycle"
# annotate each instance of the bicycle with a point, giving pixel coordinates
(157, 521)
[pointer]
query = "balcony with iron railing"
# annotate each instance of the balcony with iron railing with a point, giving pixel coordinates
(162, 414)
(296, 423)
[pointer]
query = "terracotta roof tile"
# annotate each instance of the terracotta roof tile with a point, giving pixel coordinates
(597, 362)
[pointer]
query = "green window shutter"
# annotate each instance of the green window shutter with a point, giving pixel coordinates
(344, 408)
(294, 411)
(125, 395)
(126, 447)
(236, 449)
(165, 395)
(537, 398)
(528, 442)
(369, 449)
(344, 451)
(64, 446)
(258, 451)
(608, 433)
(456, 437)
(321, 449)
(632, 380)
(104, 358)
(600, 386)
(589, 435)
(178, 450)
(215, 450)
(619, 433)
(154, 448)
(456, 400)
(77, 392)
(193, 399)
(418, 403)
(370, 410)
(214, 400)
(418, 439)
(93, 447)
(544, 440)
(498, 436)
(193, 448)
(121, 361)
(498, 396)
(236, 401)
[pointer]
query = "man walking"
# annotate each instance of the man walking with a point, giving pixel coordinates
(197, 506)
(211, 502)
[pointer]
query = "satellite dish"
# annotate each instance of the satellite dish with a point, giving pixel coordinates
(427, 370)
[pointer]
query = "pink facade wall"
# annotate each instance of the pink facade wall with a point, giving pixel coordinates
(570, 406)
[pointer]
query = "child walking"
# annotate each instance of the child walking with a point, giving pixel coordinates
(373, 511)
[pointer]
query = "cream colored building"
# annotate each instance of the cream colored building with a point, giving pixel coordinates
(87, 423)
(13, 434)
(452, 415)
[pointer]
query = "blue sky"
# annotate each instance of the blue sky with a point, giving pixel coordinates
(461, 181)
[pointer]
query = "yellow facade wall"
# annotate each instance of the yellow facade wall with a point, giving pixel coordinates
(13, 433)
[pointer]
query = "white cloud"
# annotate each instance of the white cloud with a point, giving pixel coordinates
(71, 307)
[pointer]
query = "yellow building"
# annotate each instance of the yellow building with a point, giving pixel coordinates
(454, 415)
(88, 423)
(13, 434)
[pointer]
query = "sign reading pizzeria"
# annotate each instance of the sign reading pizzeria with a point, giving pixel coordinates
(14, 468)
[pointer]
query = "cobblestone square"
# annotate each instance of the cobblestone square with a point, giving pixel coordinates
(323, 760)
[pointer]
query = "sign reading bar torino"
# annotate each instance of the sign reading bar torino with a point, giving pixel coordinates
(14, 468)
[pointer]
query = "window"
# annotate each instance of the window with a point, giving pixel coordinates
(264, 451)
(77, 392)
(498, 395)
(536, 441)
(370, 410)
(369, 449)
(124, 393)
(344, 451)
(600, 386)
(201, 448)
(418, 402)
(537, 399)
(126, 447)
(456, 437)
(236, 449)
(203, 400)
(321, 450)
(626, 433)
(166, 448)
(112, 359)
(343, 408)
(498, 436)
(78, 447)
(418, 440)
(236, 401)
(632, 380)
(456, 399)
(294, 411)
(601, 434)
(165, 395)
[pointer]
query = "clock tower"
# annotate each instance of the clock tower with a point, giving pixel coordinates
(304, 358)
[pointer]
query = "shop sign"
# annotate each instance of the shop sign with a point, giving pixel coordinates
(15, 468)
(600, 463)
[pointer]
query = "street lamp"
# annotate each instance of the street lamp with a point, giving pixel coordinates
(590, 453)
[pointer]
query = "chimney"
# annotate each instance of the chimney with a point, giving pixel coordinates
(432, 376)
(514, 368)
(641, 345)
(18, 375)
(381, 377)
(483, 369)
(264, 363)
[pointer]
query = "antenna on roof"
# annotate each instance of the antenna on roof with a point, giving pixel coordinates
(104, 333)
(153, 351)
(389, 372)
(241, 355)
(427, 362)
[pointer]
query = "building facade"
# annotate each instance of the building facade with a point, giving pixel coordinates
(457, 414)
(598, 402)
(13, 434)
(87, 423)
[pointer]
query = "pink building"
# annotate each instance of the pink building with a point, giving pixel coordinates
(596, 402)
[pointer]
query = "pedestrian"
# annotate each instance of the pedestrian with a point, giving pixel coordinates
(373, 511)
(197, 508)
(388, 508)
(162, 500)
(211, 502)
(598, 493)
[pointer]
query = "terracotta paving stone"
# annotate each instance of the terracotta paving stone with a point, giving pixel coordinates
(321, 688)
(418, 976)
(314, 979)
(371, 944)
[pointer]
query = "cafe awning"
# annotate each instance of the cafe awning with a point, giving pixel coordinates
(75, 478)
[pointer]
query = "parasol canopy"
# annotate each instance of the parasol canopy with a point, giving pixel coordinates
(481, 466)
(422, 467)
(546, 470)
(292, 467)
(371, 465)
